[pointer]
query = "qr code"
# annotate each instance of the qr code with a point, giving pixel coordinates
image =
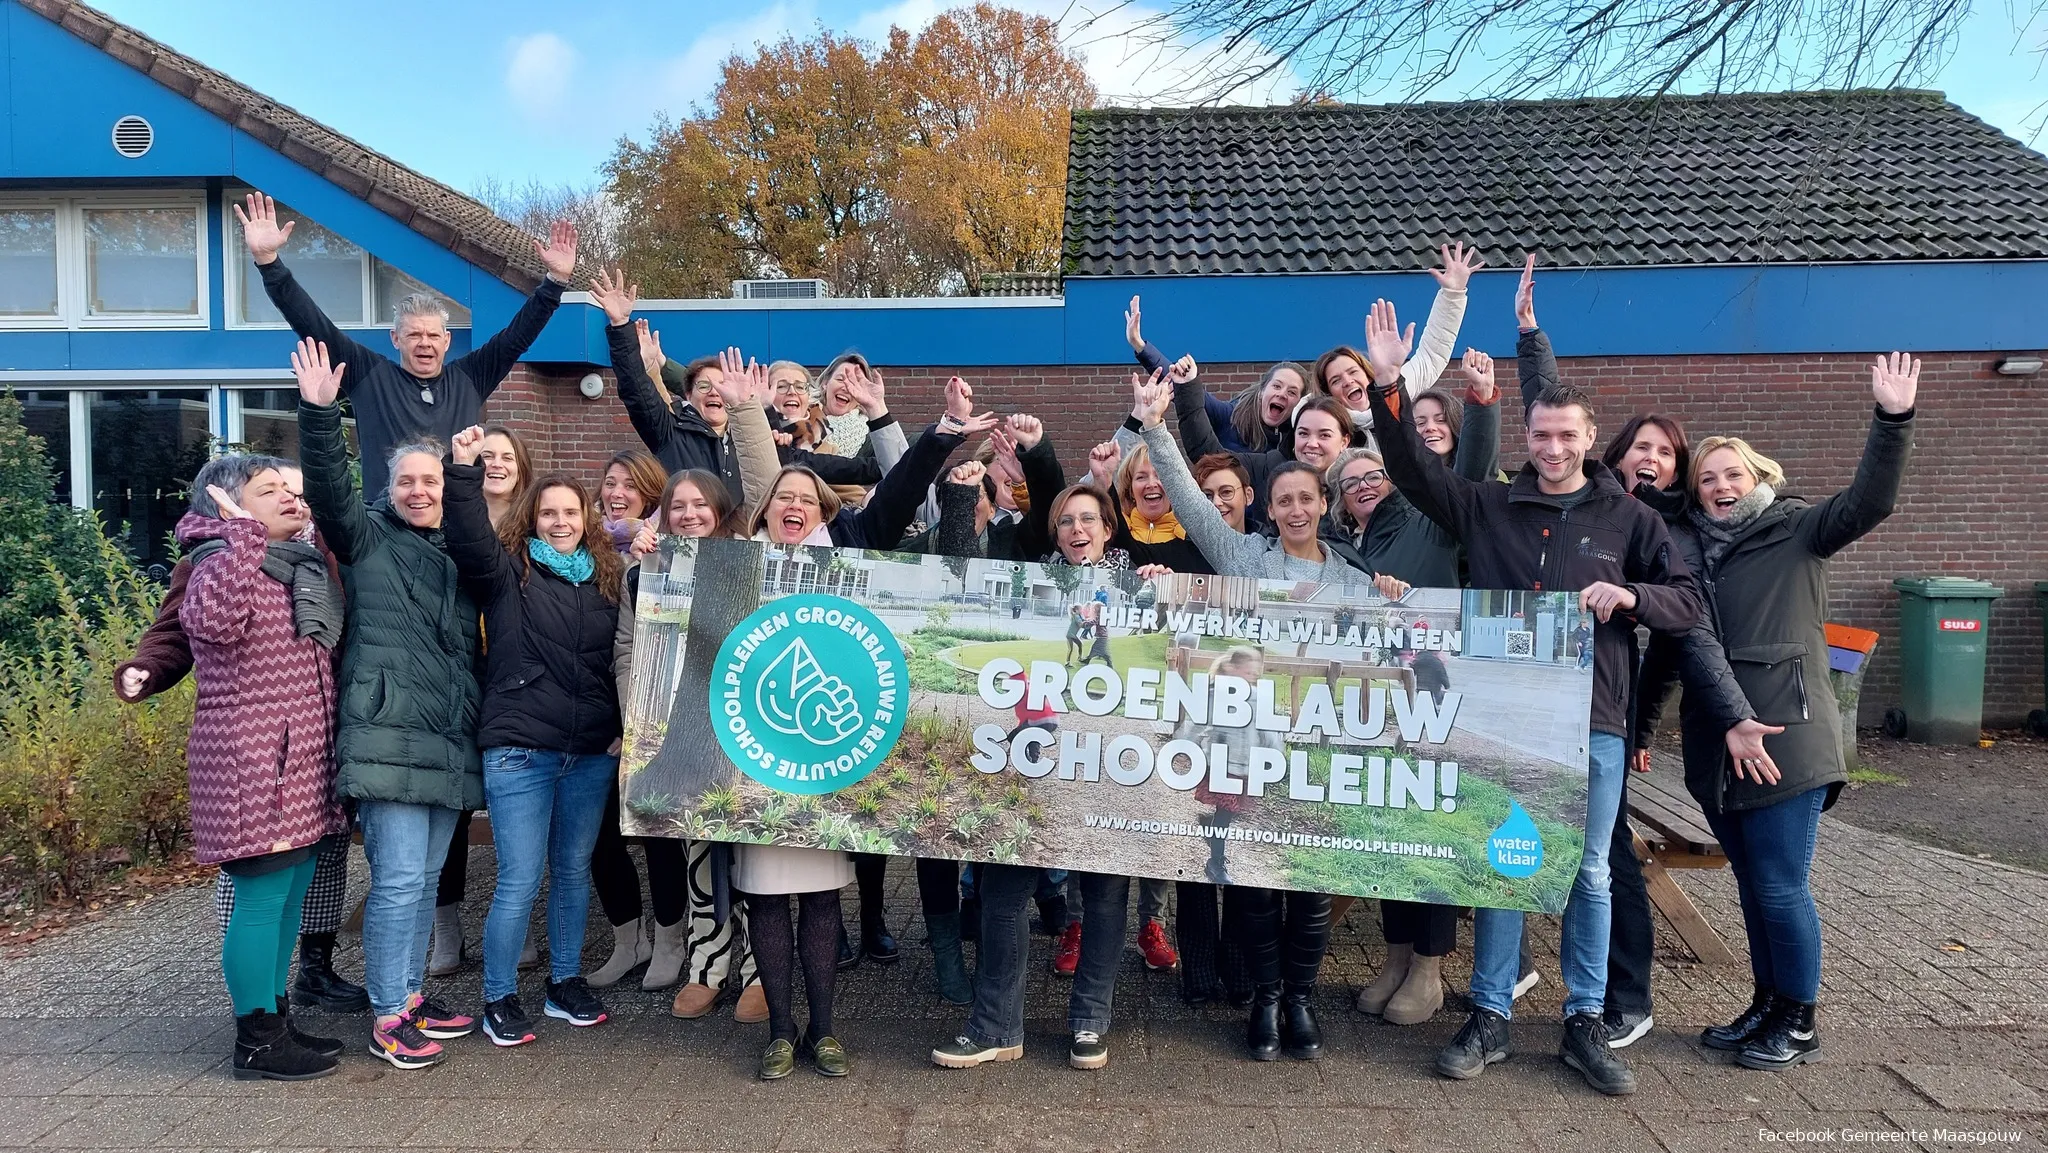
(1521, 644)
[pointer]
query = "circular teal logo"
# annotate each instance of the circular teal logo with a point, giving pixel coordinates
(808, 694)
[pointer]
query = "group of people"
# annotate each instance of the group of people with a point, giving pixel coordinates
(456, 634)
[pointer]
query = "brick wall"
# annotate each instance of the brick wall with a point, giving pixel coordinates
(1975, 502)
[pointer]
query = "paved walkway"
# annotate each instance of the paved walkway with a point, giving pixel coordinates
(115, 1036)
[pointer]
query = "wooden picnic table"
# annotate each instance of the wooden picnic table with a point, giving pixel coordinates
(1672, 833)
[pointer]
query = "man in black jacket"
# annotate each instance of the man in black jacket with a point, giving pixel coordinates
(422, 393)
(1563, 523)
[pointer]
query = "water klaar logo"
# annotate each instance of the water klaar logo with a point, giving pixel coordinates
(808, 694)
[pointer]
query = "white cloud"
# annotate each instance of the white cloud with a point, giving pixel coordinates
(689, 77)
(540, 76)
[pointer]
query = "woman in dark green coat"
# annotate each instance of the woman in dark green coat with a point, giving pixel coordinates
(407, 718)
(1763, 740)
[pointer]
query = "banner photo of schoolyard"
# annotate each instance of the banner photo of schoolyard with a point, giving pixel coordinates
(1299, 736)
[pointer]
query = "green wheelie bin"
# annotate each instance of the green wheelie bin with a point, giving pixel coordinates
(1943, 622)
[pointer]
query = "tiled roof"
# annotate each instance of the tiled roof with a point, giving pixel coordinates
(1791, 177)
(459, 223)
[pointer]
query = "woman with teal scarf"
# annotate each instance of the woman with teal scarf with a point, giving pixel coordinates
(550, 724)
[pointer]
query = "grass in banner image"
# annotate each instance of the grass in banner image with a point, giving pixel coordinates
(1302, 736)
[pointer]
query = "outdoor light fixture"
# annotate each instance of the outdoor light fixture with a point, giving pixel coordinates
(2019, 366)
(592, 385)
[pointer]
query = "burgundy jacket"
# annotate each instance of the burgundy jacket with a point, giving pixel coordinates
(260, 761)
(163, 652)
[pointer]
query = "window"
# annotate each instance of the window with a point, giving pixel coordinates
(269, 422)
(142, 261)
(352, 287)
(147, 444)
(46, 413)
(104, 260)
(28, 263)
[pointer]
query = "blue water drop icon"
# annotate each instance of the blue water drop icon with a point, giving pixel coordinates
(1515, 848)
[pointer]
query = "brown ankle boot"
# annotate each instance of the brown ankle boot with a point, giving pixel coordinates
(1420, 996)
(1373, 998)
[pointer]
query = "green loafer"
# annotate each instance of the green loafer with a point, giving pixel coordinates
(828, 1056)
(779, 1061)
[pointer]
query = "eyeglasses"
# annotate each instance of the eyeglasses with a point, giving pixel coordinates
(1086, 520)
(1350, 484)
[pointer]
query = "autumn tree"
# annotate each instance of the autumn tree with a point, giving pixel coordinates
(905, 170)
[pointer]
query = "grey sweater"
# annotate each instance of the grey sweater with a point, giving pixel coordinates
(1231, 552)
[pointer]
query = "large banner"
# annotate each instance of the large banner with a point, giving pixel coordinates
(1295, 736)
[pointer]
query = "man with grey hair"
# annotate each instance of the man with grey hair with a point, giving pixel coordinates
(421, 392)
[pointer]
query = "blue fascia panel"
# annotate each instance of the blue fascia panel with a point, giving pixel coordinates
(1720, 310)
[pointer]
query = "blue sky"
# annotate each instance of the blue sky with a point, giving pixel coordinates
(518, 90)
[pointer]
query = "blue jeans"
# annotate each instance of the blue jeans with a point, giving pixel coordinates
(545, 808)
(1588, 913)
(406, 846)
(1005, 952)
(1771, 851)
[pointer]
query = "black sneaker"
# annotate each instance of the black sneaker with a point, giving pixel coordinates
(1089, 1051)
(1482, 1041)
(506, 1024)
(572, 1001)
(1585, 1049)
(1625, 1029)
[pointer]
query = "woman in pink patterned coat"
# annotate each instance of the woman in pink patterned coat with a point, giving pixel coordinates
(263, 615)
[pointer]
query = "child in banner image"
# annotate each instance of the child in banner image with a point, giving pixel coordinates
(1042, 716)
(1247, 663)
(1100, 650)
(1077, 628)
(1430, 674)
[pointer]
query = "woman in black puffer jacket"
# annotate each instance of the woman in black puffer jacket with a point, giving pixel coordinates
(1763, 741)
(550, 725)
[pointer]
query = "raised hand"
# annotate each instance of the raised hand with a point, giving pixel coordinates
(1602, 599)
(1131, 322)
(319, 383)
(1391, 587)
(261, 234)
(1149, 398)
(1026, 431)
(960, 409)
(611, 292)
(133, 681)
(226, 505)
(867, 392)
(1745, 744)
(645, 541)
(1386, 345)
(1895, 382)
(1478, 370)
(968, 473)
(1102, 462)
(465, 445)
(1460, 263)
(559, 253)
(742, 381)
(650, 350)
(1525, 301)
(1183, 370)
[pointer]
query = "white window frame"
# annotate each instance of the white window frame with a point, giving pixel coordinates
(237, 268)
(71, 259)
(82, 484)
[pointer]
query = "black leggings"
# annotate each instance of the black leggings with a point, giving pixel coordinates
(618, 883)
(814, 944)
(1432, 929)
(455, 870)
(1285, 935)
(869, 872)
(938, 886)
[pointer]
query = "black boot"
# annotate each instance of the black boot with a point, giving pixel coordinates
(1262, 1031)
(1301, 1036)
(264, 1049)
(1735, 1034)
(847, 957)
(1194, 932)
(876, 943)
(1787, 1038)
(319, 986)
(324, 1046)
(949, 966)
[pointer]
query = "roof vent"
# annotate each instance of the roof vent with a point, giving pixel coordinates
(780, 289)
(133, 136)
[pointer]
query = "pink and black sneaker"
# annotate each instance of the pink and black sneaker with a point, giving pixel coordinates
(438, 1021)
(396, 1039)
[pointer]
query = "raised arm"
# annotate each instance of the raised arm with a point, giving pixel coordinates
(1043, 480)
(1205, 526)
(1535, 365)
(323, 454)
(1446, 498)
(1446, 313)
(1836, 523)
(489, 364)
(644, 408)
(262, 235)
(1478, 454)
(1191, 409)
(953, 533)
(219, 599)
(754, 443)
(466, 523)
(897, 498)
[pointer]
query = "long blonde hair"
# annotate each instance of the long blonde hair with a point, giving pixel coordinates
(1763, 468)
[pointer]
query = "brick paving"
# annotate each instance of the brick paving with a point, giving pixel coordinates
(1935, 1018)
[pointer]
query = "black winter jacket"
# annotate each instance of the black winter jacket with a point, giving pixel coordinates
(1401, 542)
(406, 720)
(548, 669)
(679, 437)
(1516, 537)
(1766, 611)
(881, 522)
